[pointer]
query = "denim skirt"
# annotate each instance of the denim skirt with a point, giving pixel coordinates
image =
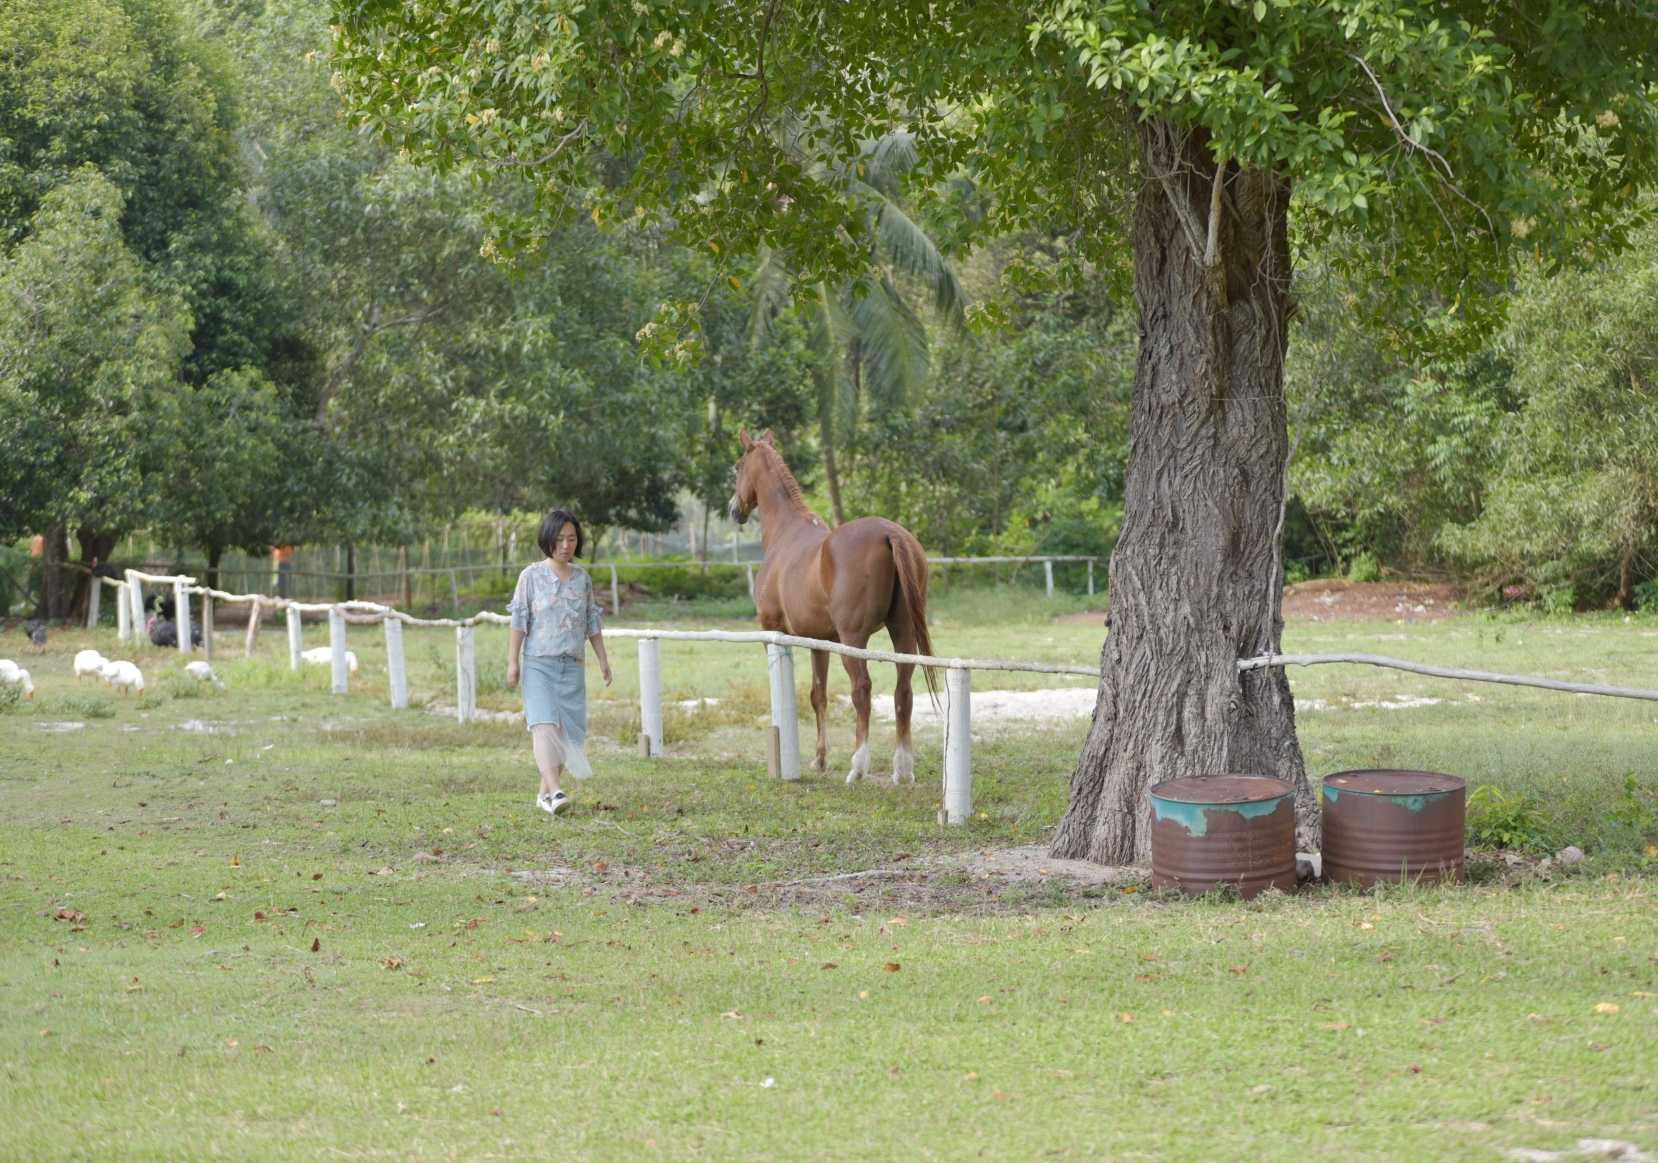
(555, 691)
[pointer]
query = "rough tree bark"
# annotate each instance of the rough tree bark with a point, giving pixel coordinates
(96, 545)
(1197, 577)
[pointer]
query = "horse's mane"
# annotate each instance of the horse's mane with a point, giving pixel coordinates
(791, 486)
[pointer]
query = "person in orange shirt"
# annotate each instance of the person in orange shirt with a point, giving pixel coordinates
(283, 556)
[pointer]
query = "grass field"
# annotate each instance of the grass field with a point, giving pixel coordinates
(274, 923)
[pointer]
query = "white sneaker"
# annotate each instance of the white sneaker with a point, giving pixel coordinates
(559, 802)
(544, 801)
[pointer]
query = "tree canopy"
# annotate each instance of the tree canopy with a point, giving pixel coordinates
(1449, 135)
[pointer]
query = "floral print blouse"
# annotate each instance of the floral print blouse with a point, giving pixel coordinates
(556, 618)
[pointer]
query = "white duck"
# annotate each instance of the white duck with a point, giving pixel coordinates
(124, 675)
(89, 662)
(11, 674)
(203, 672)
(324, 656)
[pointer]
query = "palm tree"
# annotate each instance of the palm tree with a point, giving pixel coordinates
(872, 348)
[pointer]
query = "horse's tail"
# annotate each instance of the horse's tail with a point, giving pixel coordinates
(909, 561)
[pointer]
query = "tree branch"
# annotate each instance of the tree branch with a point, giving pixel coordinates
(1443, 169)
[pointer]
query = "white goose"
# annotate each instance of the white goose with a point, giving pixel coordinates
(11, 674)
(324, 656)
(203, 672)
(89, 662)
(125, 675)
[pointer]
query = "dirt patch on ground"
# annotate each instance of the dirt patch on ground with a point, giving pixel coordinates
(1345, 601)
(998, 881)
(1335, 600)
(1086, 618)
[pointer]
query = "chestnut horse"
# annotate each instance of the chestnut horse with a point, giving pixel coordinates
(839, 586)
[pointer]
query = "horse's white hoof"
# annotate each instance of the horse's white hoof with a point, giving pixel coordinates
(903, 766)
(860, 764)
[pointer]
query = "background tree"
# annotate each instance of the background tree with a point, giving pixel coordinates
(1208, 118)
(91, 342)
(1571, 510)
(870, 346)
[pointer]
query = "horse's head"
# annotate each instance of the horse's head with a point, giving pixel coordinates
(749, 467)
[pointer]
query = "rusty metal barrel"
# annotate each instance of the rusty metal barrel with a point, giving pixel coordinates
(1212, 829)
(1389, 826)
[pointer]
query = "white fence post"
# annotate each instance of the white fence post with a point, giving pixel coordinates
(394, 663)
(296, 642)
(615, 594)
(1090, 578)
(466, 675)
(748, 568)
(181, 615)
(256, 615)
(123, 613)
(336, 650)
(780, 670)
(207, 626)
(94, 598)
(134, 596)
(650, 692)
(1048, 573)
(958, 745)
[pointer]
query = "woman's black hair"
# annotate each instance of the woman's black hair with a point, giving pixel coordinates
(552, 525)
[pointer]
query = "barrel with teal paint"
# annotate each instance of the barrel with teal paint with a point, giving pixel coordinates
(1208, 830)
(1390, 826)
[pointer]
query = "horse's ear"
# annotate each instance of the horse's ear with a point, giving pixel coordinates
(766, 438)
(744, 438)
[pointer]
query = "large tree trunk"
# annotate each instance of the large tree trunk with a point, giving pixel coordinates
(96, 546)
(57, 581)
(1197, 576)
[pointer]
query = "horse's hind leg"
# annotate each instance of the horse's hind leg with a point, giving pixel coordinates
(858, 671)
(820, 705)
(903, 702)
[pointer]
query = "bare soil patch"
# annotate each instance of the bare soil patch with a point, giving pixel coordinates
(1008, 880)
(1334, 600)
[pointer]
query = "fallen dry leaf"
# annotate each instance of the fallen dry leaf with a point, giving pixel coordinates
(482, 980)
(999, 1096)
(1606, 1007)
(891, 967)
(1339, 1026)
(392, 962)
(316, 945)
(1385, 955)
(830, 965)
(196, 930)
(971, 1076)
(1414, 1068)
(236, 862)
(1125, 1017)
(985, 1000)
(1240, 970)
(1262, 1089)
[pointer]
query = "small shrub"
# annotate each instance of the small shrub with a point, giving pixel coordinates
(150, 700)
(1646, 597)
(1638, 809)
(1364, 568)
(1559, 599)
(1499, 820)
(9, 695)
(1295, 572)
(86, 706)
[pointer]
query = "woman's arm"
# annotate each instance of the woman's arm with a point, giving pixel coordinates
(515, 643)
(604, 663)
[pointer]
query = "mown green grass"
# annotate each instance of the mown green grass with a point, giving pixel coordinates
(605, 1029)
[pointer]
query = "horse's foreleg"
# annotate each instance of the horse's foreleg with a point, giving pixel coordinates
(858, 671)
(903, 701)
(820, 705)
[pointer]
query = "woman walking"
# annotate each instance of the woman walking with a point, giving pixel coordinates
(554, 614)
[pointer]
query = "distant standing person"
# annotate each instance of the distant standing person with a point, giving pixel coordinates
(283, 556)
(554, 615)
